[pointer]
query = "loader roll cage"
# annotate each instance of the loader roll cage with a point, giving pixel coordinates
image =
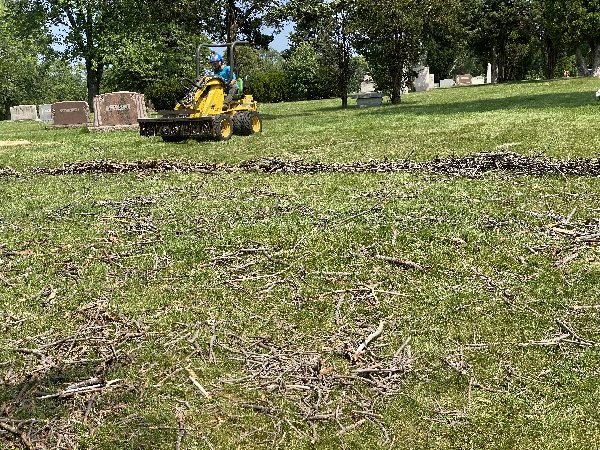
(230, 51)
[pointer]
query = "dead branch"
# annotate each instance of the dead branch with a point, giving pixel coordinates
(361, 348)
(181, 428)
(404, 263)
(351, 427)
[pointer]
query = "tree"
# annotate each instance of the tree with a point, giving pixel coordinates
(389, 35)
(503, 31)
(20, 67)
(582, 29)
(445, 36)
(326, 26)
(119, 33)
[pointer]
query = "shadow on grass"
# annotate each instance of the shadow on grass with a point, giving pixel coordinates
(517, 102)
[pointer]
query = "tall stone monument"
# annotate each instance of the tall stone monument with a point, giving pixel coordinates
(424, 80)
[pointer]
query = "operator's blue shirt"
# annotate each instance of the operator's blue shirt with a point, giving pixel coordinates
(224, 73)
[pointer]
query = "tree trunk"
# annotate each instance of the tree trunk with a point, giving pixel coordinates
(596, 63)
(397, 88)
(551, 59)
(93, 78)
(581, 63)
(231, 19)
(344, 76)
(494, 63)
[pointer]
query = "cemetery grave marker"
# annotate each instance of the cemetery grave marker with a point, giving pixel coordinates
(23, 112)
(70, 113)
(118, 109)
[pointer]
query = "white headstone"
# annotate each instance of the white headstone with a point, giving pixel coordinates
(23, 112)
(488, 75)
(478, 80)
(45, 113)
(447, 82)
(367, 85)
(424, 80)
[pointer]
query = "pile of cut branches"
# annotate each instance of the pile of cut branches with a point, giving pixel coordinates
(474, 165)
(67, 371)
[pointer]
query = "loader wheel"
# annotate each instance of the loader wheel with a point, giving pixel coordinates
(173, 138)
(246, 123)
(223, 127)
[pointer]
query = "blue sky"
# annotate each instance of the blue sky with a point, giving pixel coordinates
(281, 39)
(280, 42)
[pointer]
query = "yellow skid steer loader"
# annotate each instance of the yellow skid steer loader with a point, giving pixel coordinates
(201, 114)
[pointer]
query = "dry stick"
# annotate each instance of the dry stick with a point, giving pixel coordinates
(181, 432)
(351, 427)
(402, 347)
(211, 354)
(574, 335)
(400, 262)
(584, 307)
(80, 390)
(361, 348)
(194, 379)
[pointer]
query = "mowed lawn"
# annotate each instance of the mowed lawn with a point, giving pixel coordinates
(231, 308)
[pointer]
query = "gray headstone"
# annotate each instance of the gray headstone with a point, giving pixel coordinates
(118, 108)
(369, 99)
(23, 112)
(45, 112)
(71, 113)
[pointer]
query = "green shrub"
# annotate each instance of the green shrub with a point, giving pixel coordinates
(165, 94)
(269, 87)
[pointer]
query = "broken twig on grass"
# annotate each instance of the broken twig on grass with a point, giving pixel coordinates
(194, 379)
(361, 348)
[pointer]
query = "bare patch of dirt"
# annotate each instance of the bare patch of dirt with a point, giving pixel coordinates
(13, 143)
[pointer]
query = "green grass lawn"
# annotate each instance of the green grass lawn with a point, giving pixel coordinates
(181, 309)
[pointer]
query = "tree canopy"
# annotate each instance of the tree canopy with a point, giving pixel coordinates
(145, 45)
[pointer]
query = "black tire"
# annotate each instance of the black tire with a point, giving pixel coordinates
(173, 138)
(222, 127)
(246, 123)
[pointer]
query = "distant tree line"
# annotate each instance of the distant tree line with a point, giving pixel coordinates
(148, 45)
